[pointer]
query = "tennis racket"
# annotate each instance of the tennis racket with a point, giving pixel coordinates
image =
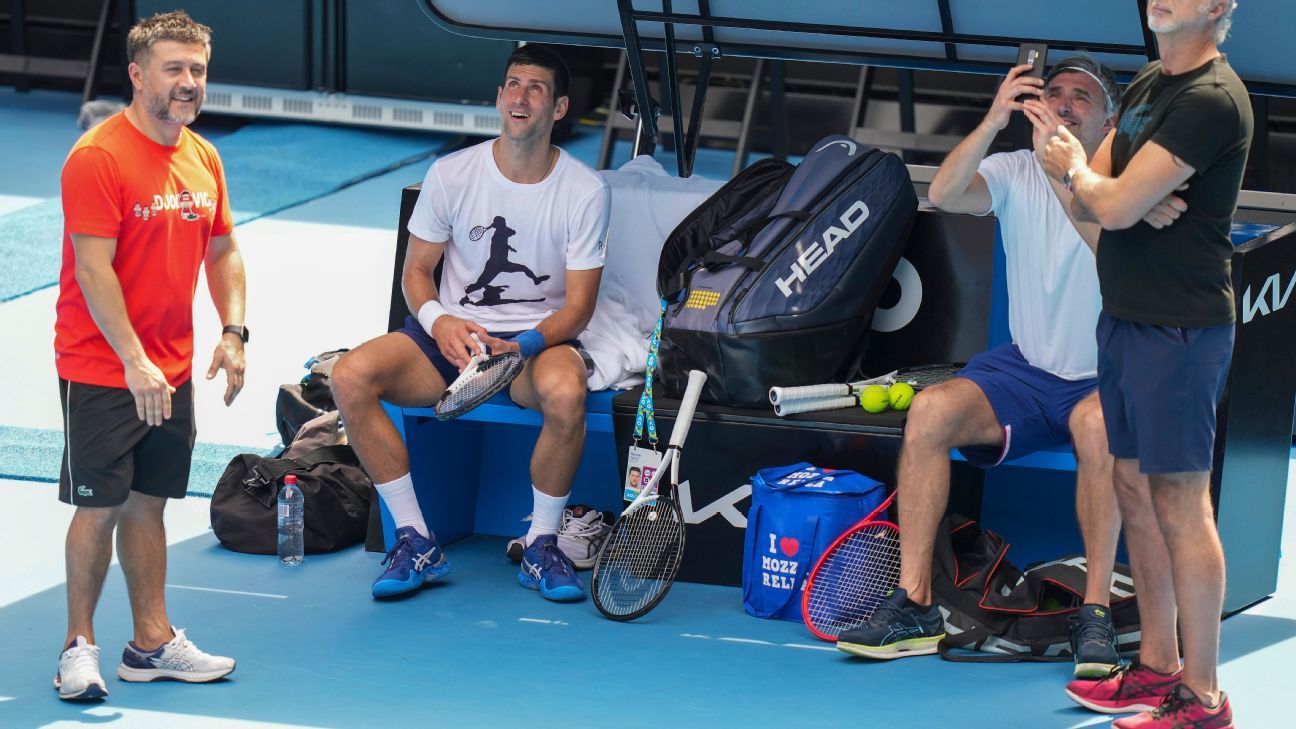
(477, 232)
(920, 377)
(853, 576)
(637, 564)
(481, 380)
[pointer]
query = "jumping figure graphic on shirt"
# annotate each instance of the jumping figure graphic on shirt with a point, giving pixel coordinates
(498, 263)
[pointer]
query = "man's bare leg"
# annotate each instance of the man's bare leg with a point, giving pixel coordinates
(1150, 563)
(1183, 509)
(1096, 508)
(141, 548)
(954, 413)
(88, 552)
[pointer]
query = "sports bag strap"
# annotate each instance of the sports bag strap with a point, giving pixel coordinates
(712, 260)
(758, 225)
(958, 654)
(271, 470)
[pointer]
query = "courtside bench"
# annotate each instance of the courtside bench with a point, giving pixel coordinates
(946, 303)
(472, 474)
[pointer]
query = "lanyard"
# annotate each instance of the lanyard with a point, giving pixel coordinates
(645, 412)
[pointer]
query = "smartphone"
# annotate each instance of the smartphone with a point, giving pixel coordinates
(1035, 54)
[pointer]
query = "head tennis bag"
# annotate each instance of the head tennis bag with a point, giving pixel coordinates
(796, 513)
(995, 612)
(774, 279)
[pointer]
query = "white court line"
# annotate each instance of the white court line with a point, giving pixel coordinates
(543, 621)
(803, 646)
(227, 592)
(753, 641)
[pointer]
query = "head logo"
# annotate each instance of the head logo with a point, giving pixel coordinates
(812, 257)
(848, 144)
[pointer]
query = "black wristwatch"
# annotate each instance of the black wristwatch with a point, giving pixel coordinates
(240, 330)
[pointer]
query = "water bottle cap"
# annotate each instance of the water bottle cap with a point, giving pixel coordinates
(290, 478)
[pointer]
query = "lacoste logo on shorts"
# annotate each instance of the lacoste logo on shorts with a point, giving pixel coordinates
(84, 490)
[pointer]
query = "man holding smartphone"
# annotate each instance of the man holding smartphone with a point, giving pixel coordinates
(1039, 391)
(1165, 342)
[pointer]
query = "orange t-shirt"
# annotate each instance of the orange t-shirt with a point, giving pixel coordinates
(162, 204)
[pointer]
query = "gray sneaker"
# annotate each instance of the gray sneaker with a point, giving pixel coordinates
(583, 530)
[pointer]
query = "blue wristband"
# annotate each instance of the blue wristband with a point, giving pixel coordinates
(531, 342)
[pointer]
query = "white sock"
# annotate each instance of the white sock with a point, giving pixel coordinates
(403, 504)
(546, 514)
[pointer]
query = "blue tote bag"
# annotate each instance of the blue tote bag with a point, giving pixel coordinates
(796, 513)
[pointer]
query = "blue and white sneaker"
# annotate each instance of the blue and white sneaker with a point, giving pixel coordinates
(413, 561)
(176, 660)
(547, 569)
(897, 629)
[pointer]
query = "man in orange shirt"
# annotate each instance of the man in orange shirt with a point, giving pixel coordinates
(144, 205)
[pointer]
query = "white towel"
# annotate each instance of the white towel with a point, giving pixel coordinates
(647, 204)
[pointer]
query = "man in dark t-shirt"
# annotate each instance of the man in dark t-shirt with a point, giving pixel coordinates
(1164, 186)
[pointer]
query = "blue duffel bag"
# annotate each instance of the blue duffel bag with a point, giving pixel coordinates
(796, 513)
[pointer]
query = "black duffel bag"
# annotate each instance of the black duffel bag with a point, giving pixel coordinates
(303, 401)
(337, 493)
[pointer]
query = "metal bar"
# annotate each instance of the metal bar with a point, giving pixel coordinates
(905, 83)
(339, 45)
(778, 112)
(884, 33)
(630, 34)
(695, 118)
(748, 118)
(25, 66)
(96, 48)
(947, 27)
(18, 39)
(669, 83)
(857, 105)
(609, 125)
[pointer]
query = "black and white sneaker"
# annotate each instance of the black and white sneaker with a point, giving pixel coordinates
(583, 530)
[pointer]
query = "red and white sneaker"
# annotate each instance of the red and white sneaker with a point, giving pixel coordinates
(1129, 688)
(1181, 709)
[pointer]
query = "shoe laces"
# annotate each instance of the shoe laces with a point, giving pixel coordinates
(574, 526)
(1099, 631)
(180, 647)
(553, 560)
(84, 658)
(1170, 705)
(399, 556)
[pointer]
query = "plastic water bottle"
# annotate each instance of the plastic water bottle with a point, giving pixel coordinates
(292, 522)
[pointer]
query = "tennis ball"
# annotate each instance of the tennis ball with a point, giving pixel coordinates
(874, 399)
(901, 395)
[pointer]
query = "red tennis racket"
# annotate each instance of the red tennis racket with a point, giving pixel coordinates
(853, 576)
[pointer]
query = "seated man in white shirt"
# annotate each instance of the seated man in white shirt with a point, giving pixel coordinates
(526, 281)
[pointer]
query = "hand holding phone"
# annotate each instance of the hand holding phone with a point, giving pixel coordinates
(1034, 54)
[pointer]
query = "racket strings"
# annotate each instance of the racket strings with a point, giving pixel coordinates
(640, 558)
(492, 375)
(933, 375)
(853, 579)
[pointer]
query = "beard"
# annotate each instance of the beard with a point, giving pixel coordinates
(160, 107)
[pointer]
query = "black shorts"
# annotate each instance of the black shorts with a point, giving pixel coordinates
(109, 452)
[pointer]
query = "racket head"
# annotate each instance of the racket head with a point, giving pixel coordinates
(478, 384)
(477, 232)
(637, 564)
(928, 375)
(851, 578)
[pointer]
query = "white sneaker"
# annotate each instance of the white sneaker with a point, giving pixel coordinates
(178, 660)
(583, 530)
(78, 676)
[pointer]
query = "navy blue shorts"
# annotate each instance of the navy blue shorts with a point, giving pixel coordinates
(1032, 405)
(1159, 386)
(446, 368)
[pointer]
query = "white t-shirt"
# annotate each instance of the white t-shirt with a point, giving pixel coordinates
(528, 236)
(1053, 299)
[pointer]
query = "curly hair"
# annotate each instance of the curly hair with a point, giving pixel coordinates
(173, 26)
